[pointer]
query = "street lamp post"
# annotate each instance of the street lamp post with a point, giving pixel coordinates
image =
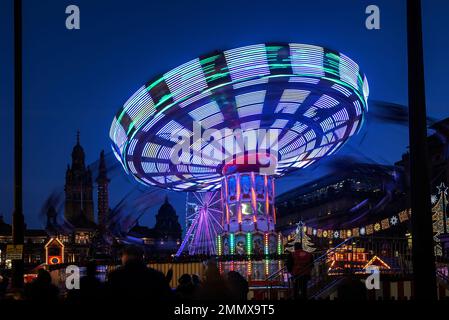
(422, 230)
(17, 218)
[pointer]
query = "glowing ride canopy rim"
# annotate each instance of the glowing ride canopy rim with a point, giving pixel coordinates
(311, 94)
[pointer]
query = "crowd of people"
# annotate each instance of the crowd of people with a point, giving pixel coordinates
(134, 281)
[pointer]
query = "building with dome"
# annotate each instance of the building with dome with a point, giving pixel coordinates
(165, 236)
(167, 224)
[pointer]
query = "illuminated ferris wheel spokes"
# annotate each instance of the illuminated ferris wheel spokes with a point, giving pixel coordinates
(203, 221)
(210, 201)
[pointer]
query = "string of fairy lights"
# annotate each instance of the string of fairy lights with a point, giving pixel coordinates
(365, 230)
(439, 217)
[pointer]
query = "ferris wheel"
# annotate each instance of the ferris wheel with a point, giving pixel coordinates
(203, 223)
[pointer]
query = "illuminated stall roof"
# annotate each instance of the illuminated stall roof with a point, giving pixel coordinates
(315, 98)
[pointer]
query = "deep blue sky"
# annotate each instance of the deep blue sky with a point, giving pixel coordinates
(78, 79)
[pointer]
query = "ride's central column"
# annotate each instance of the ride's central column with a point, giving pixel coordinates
(248, 200)
(249, 239)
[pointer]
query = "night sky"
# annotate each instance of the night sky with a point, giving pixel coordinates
(77, 79)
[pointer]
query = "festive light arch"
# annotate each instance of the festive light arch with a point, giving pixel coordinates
(314, 97)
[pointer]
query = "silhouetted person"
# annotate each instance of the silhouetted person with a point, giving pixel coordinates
(169, 275)
(91, 288)
(213, 287)
(352, 289)
(238, 286)
(300, 265)
(41, 289)
(186, 288)
(4, 282)
(196, 280)
(133, 281)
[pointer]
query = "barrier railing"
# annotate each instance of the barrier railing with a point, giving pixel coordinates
(284, 275)
(394, 251)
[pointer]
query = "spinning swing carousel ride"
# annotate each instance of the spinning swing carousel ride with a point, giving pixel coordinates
(223, 127)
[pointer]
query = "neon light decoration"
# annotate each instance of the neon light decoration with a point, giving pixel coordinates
(231, 244)
(54, 251)
(314, 97)
(279, 247)
(249, 244)
(265, 242)
(267, 267)
(219, 245)
(358, 259)
(439, 217)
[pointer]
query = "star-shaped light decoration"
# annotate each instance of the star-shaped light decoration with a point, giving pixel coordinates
(299, 226)
(442, 188)
(336, 234)
(394, 220)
